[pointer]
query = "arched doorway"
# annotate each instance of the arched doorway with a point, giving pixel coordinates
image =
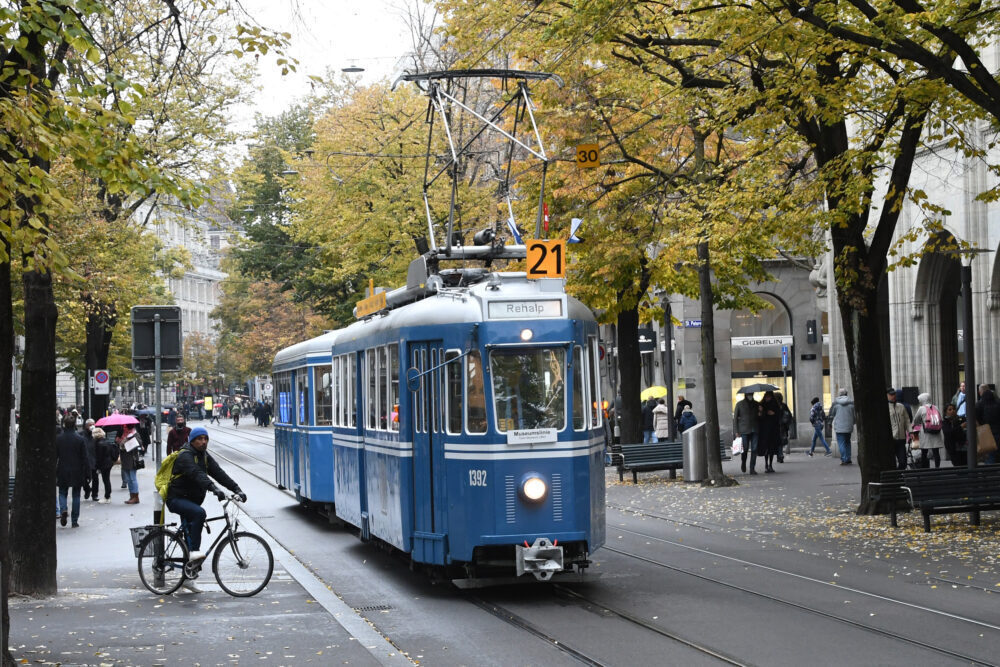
(762, 348)
(937, 300)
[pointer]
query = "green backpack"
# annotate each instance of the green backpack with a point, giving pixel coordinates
(165, 474)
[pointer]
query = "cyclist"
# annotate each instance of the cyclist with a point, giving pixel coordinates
(193, 472)
(235, 412)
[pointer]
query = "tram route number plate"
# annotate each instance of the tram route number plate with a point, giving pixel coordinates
(532, 436)
(546, 259)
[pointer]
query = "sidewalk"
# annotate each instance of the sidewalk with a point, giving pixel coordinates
(103, 615)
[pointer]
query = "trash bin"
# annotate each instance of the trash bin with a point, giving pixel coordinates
(693, 453)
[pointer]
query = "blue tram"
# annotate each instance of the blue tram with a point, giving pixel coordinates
(459, 422)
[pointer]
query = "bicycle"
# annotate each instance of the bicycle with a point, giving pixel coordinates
(236, 420)
(242, 561)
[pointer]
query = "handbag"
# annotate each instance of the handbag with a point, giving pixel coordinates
(140, 462)
(737, 446)
(985, 443)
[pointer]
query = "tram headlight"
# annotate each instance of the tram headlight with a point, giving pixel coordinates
(527, 334)
(534, 488)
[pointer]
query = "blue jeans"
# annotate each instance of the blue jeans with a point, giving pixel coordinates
(192, 519)
(132, 479)
(818, 434)
(844, 444)
(648, 437)
(63, 492)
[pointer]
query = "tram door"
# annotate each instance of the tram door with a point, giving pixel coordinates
(427, 428)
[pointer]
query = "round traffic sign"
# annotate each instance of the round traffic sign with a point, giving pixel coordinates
(101, 377)
(268, 387)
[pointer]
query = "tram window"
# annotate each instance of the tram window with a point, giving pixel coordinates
(335, 391)
(579, 398)
(393, 387)
(476, 405)
(283, 384)
(528, 388)
(383, 395)
(454, 391)
(371, 399)
(442, 393)
(593, 375)
(424, 383)
(350, 390)
(302, 395)
(323, 394)
(434, 398)
(416, 394)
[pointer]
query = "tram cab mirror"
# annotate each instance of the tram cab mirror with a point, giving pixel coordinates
(413, 378)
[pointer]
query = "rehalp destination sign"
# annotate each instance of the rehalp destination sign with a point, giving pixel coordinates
(517, 310)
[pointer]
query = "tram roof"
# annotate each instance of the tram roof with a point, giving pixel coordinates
(321, 345)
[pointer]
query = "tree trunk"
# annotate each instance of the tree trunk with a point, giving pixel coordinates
(630, 369)
(6, 407)
(715, 475)
(863, 341)
(101, 322)
(32, 528)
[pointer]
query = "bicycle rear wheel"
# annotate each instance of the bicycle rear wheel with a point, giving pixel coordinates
(162, 555)
(243, 564)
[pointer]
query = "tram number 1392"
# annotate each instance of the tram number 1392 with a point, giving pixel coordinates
(477, 478)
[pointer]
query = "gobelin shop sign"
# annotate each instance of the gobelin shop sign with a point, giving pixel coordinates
(760, 341)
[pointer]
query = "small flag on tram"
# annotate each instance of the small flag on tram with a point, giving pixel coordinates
(545, 217)
(513, 230)
(574, 225)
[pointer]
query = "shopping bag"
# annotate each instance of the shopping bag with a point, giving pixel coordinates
(737, 446)
(985, 444)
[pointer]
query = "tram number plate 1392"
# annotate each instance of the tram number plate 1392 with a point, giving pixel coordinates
(477, 478)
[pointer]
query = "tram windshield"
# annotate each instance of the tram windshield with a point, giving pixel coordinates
(528, 388)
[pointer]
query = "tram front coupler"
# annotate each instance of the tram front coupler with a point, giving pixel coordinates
(542, 559)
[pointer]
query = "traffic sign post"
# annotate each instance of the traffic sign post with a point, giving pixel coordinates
(102, 383)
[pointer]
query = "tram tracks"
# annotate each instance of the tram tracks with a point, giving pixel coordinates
(886, 633)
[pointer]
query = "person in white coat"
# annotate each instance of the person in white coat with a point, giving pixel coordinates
(661, 421)
(929, 420)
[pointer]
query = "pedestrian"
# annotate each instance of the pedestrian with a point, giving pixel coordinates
(235, 413)
(72, 467)
(648, 431)
(988, 412)
(955, 441)
(899, 425)
(687, 419)
(107, 455)
(928, 418)
(90, 486)
(268, 413)
(661, 421)
(746, 420)
(178, 435)
(769, 430)
(842, 412)
(785, 418)
(128, 443)
(817, 417)
(679, 410)
(958, 400)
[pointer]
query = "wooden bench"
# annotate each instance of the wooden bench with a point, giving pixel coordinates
(889, 489)
(953, 490)
(654, 456)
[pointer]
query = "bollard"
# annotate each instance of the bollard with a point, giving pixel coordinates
(695, 459)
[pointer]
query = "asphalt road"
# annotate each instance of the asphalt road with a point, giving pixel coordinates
(775, 571)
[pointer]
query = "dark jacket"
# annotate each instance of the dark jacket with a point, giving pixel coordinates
(107, 453)
(679, 409)
(72, 466)
(176, 438)
(988, 412)
(769, 427)
(195, 468)
(647, 415)
(88, 440)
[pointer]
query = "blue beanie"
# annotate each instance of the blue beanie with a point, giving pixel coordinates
(196, 431)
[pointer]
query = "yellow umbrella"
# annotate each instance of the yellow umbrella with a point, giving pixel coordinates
(653, 392)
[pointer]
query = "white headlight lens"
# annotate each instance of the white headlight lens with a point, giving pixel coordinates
(527, 334)
(534, 488)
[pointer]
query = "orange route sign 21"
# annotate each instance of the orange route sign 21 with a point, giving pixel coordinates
(588, 156)
(546, 259)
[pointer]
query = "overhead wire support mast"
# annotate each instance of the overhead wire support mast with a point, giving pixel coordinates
(442, 101)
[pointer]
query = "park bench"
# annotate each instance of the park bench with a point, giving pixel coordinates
(889, 488)
(953, 490)
(655, 456)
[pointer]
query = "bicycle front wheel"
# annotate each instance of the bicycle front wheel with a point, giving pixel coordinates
(243, 564)
(162, 555)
